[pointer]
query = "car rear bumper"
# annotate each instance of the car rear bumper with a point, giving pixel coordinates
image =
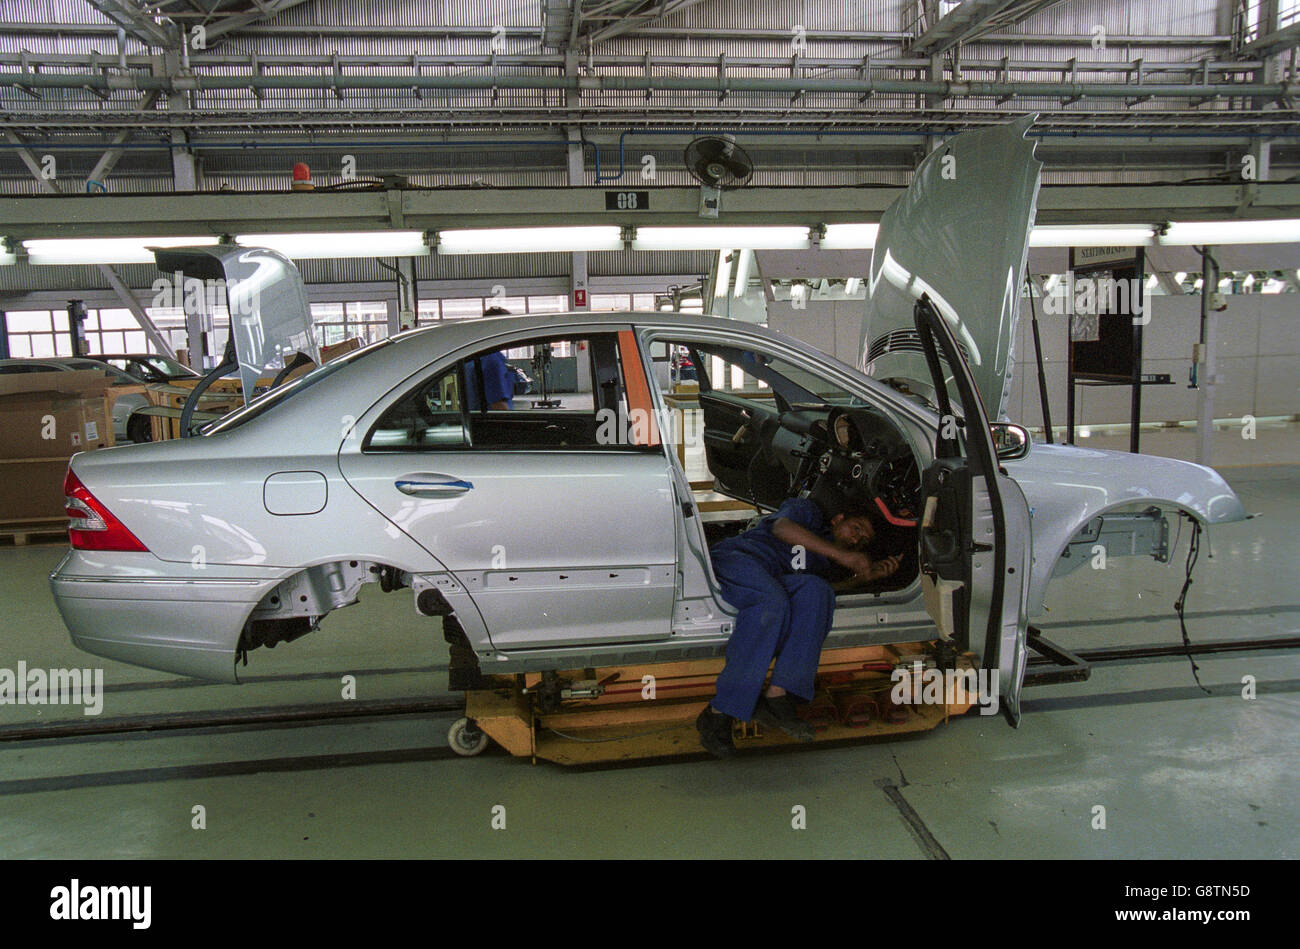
(138, 609)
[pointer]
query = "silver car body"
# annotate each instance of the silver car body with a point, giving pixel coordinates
(557, 559)
(601, 567)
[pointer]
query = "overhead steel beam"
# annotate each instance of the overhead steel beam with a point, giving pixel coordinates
(135, 20)
(964, 20)
(29, 159)
(666, 83)
(467, 60)
(635, 22)
(1273, 43)
(239, 21)
(241, 212)
(141, 316)
(111, 157)
(737, 33)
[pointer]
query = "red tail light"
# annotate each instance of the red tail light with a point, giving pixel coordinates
(91, 526)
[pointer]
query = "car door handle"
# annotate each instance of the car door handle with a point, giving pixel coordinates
(432, 486)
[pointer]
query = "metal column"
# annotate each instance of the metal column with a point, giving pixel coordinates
(1205, 376)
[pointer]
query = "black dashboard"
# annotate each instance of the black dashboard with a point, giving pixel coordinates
(855, 453)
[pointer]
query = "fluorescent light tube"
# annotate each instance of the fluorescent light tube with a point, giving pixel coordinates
(336, 244)
(723, 280)
(721, 238)
(850, 236)
(104, 250)
(1279, 231)
(530, 240)
(743, 268)
(1092, 235)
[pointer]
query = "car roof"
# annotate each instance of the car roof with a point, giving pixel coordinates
(54, 362)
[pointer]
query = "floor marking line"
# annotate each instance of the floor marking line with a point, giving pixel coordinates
(222, 769)
(1171, 694)
(929, 845)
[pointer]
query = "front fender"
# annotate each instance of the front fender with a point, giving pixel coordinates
(1067, 486)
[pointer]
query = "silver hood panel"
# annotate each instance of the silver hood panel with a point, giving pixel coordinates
(960, 233)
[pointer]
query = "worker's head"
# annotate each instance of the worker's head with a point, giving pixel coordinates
(853, 527)
(496, 311)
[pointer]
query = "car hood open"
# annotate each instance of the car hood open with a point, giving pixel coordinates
(960, 233)
(270, 319)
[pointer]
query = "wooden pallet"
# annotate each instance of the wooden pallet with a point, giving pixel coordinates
(621, 725)
(23, 534)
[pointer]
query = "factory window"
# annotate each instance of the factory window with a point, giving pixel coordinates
(32, 333)
(462, 309)
(43, 333)
(468, 308)
(335, 322)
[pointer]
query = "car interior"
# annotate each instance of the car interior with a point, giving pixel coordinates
(771, 431)
(774, 431)
(562, 390)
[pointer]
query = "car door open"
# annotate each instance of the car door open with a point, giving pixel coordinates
(974, 535)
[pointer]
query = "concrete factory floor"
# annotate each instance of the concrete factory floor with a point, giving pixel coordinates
(1179, 773)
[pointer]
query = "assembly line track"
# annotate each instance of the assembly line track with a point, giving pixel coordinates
(303, 715)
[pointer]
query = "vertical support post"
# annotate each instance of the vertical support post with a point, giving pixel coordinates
(77, 327)
(1139, 284)
(185, 175)
(1206, 372)
(579, 298)
(4, 336)
(1069, 371)
(408, 296)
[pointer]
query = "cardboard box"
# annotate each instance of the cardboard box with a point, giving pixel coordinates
(32, 491)
(53, 414)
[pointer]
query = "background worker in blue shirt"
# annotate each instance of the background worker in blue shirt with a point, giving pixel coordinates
(497, 378)
(774, 574)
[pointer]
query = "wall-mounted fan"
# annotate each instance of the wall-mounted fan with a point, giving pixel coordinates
(718, 164)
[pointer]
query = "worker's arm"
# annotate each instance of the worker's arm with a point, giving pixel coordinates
(788, 532)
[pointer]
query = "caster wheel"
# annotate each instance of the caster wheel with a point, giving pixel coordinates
(466, 738)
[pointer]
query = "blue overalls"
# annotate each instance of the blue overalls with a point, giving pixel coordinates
(784, 612)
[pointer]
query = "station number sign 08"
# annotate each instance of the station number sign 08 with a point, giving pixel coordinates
(627, 200)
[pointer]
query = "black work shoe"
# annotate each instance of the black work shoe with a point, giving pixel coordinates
(715, 733)
(780, 713)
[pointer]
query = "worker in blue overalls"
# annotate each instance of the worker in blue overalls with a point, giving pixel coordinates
(774, 574)
(492, 374)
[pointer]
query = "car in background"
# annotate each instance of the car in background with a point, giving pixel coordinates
(148, 367)
(127, 424)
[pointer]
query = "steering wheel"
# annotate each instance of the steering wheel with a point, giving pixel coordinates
(897, 482)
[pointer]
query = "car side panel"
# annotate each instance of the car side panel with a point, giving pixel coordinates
(135, 608)
(203, 500)
(1067, 486)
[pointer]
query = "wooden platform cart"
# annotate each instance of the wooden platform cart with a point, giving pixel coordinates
(628, 713)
